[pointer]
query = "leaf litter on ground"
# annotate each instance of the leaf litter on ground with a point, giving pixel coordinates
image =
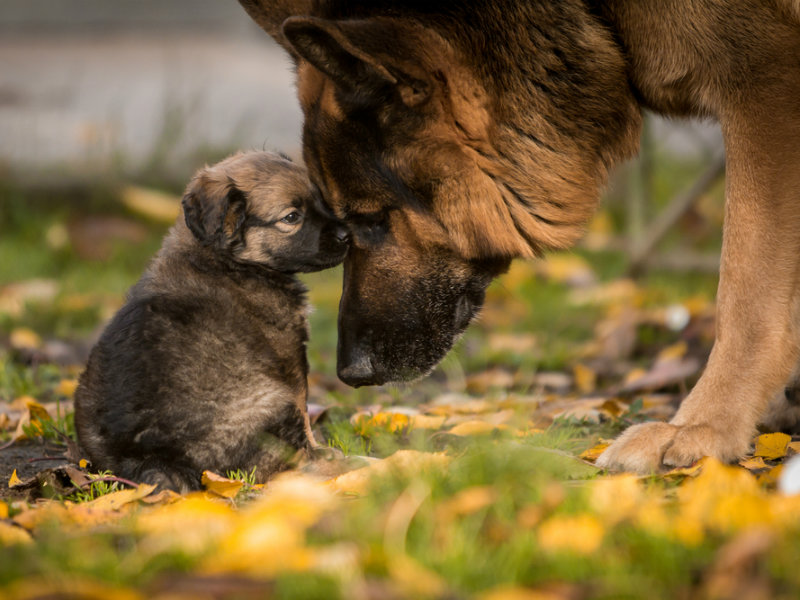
(482, 486)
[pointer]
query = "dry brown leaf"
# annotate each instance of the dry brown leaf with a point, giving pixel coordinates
(664, 373)
(518, 343)
(754, 463)
(484, 381)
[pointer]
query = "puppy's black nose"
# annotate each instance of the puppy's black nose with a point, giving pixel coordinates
(342, 233)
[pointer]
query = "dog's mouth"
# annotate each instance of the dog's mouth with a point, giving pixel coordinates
(397, 326)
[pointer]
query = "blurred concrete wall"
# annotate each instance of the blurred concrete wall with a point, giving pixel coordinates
(92, 87)
(96, 87)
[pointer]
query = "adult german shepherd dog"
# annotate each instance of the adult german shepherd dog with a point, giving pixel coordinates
(456, 136)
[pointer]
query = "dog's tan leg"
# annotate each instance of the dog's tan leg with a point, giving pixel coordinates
(758, 302)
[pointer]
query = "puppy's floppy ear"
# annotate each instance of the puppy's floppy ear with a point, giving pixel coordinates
(214, 212)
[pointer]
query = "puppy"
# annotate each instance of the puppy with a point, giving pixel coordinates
(205, 367)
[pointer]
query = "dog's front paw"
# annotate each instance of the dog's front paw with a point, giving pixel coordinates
(653, 447)
(693, 442)
(640, 449)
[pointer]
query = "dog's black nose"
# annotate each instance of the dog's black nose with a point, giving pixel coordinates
(356, 369)
(342, 233)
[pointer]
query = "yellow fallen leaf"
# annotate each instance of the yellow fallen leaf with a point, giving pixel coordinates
(467, 501)
(227, 488)
(269, 535)
(83, 463)
(475, 428)
(153, 204)
(67, 387)
(32, 419)
(70, 587)
(579, 534)
(794, 447)
(567, 268)
(14, 480)
(690, 471)
(753, 463)
(510, 592)
(192, 525)
(770, 478)
(772, 445)
(50, 512)
(3, 510)
(612, 407)
(616, 498)
(594, 452)
(634, 375)
(723, 498)
(427, 421)
(402, 462)
(11, 535)
(585, 378)
(115, 500)
(416, 580)
(364, 423)
(23, 338)
(673, 352)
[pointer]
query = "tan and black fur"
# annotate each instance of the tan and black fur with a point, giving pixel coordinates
(482, 131)
(205, 365)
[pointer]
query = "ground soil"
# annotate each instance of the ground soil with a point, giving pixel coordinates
(27, 458)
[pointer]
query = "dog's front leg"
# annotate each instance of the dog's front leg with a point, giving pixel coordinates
(758, 302)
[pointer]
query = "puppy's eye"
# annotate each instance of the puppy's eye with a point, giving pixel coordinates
(292, 218)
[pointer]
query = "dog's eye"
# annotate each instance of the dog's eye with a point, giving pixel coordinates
(292, 218)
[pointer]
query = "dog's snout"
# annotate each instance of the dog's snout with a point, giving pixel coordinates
(356, 369)
(342, 233)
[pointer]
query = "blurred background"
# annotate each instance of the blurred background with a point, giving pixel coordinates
(106, 109)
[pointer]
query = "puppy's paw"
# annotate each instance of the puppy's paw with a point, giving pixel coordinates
(640, 449)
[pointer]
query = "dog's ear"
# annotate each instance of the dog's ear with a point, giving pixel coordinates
(350, 53)
(270, 15)
(215, 214)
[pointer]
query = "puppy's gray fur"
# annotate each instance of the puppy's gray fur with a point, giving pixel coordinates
(205, 365)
